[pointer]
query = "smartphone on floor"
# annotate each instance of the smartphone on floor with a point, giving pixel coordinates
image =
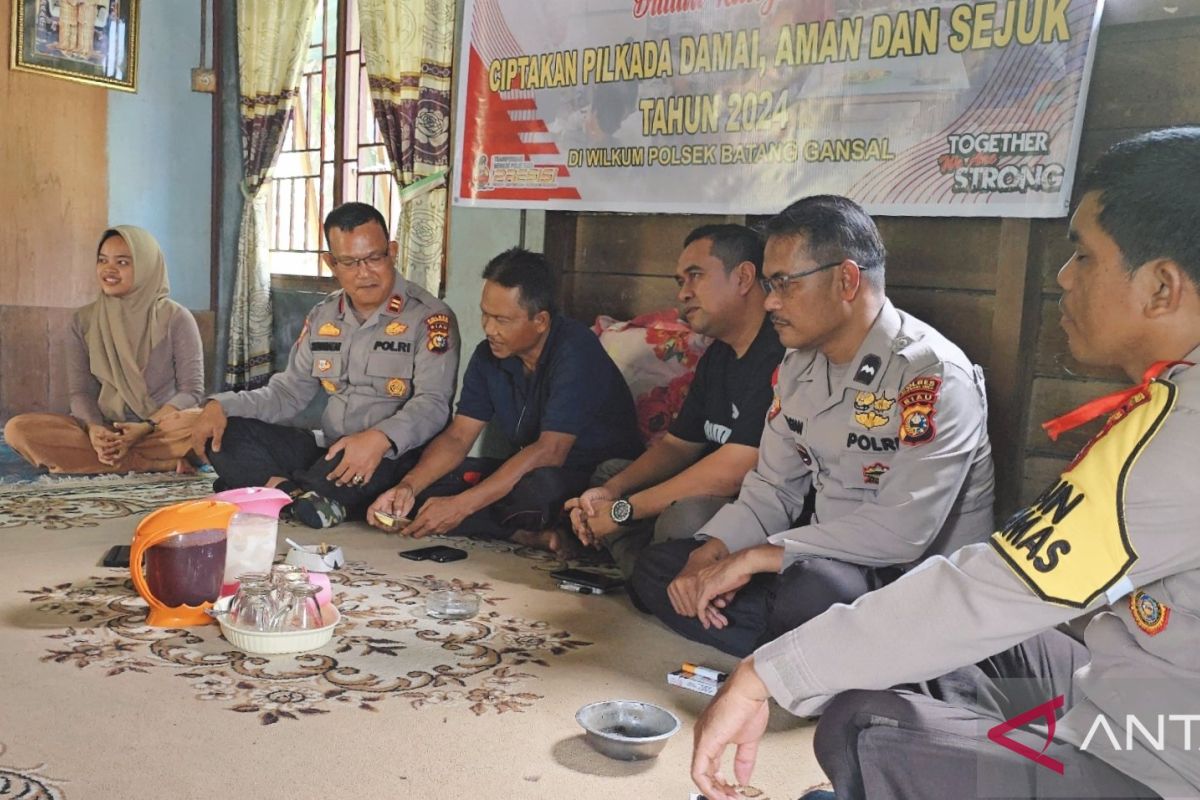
(117, 556)
(583, 577)
(439, 553)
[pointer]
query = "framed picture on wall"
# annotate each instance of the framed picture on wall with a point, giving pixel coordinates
(89, 41)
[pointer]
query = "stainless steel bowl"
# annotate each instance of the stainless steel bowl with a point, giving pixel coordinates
(627, 730)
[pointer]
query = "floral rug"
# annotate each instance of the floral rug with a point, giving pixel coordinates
(384, 649)
(27, 783)
(59, 503)
(94, 703)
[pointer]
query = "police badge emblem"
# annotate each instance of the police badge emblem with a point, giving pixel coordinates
(395, 328)
(1149, 614)
(397, 387)
(324, 365)
(329, 329)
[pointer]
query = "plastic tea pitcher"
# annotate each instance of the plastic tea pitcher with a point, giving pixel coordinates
(178, 559)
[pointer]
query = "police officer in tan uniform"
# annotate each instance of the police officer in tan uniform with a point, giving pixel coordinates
(1111, 543)
(384, 351)
(879, 414)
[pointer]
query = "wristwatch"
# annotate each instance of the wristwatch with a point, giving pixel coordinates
(621, 512)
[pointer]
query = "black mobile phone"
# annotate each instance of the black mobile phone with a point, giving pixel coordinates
(438, 552)
(117, 556)
(584, 577)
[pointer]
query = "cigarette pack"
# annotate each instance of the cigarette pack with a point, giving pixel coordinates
(692, 682)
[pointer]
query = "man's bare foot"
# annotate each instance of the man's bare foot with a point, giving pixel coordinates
(184, 467)
(562, 543)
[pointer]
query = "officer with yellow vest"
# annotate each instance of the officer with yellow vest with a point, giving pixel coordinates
(383, 350)
(970, 641)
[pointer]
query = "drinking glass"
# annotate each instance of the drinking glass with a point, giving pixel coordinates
(300, 612)
(252, 607)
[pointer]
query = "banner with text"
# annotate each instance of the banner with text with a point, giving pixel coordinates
(742, 106)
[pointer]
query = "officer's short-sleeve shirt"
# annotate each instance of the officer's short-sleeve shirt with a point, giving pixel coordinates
(730, 396)
(576, 389)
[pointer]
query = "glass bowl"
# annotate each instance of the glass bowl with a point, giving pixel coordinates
(452, 604)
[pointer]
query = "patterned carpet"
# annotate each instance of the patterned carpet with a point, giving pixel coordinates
(396, 705)
(475, 663)
(59, 503)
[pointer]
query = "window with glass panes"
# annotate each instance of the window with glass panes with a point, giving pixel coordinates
(332, 152)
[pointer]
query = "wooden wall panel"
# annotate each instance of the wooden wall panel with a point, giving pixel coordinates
(963, 317)
(941, 253)
(53, 170)
(635, 244)
(1052, 397)
(620, 296)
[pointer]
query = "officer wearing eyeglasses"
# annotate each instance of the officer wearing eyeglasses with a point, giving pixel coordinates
(881, 415)
(384, 352)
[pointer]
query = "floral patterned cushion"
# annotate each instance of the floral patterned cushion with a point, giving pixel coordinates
(657, 354)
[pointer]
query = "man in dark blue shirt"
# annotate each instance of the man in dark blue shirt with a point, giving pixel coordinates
(550, 388)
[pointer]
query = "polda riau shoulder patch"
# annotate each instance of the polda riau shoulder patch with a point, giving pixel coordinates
(776, 403)
(1071, 545)
(917, 408)
(437, 330)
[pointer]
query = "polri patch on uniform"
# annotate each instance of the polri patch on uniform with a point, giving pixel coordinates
(324, 365)
(1149, 614)
(868, 368)
(397, 387)
(395, 328)
(329, 329)
(870, 409)
(395, 304)
(329, 386)
(917, 400)
(437, 337)
(873, 472)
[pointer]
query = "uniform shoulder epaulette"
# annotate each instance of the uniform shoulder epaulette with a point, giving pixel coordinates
(426, 298)
(917, 348)
(333, 297)
(796, 362)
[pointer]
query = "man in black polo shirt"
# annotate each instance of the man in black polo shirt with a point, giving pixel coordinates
(550, 388)
(697, 467)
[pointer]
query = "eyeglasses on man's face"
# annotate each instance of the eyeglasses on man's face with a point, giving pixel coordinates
(371, 261)
(781, 283)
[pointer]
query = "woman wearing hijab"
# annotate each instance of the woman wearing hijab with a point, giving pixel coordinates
(135, 372)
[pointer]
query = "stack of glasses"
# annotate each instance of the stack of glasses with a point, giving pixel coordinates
(284, 600)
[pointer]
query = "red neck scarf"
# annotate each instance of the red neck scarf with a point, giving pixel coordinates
(1107, 404)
